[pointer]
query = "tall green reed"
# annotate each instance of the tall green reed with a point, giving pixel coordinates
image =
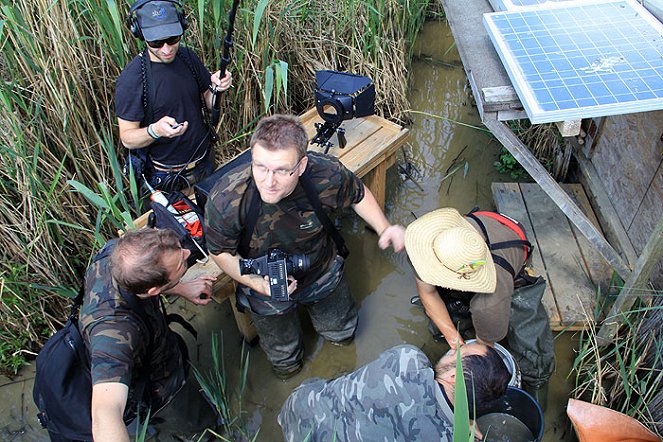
(226, 399)
(626, 375)
(59, 62)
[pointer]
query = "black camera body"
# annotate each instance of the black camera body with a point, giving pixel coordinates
(277, 265)
(342, 96)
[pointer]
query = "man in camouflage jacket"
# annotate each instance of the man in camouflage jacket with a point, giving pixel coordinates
(286, 220)
(397, 397)
(134, 355)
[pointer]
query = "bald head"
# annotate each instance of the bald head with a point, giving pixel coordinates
(137, 259)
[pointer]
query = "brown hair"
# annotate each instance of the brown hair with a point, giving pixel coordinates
(137, 259)
(281, 132)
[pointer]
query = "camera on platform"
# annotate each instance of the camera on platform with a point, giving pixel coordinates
(340, 96)
(277, 265)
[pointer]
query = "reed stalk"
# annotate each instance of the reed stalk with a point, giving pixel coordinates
(59, 62)
(627, 375)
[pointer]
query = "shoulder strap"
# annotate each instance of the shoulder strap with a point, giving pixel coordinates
(183, 53)
(148, 88)
(314, 199)
(511, 224)
(250, 222)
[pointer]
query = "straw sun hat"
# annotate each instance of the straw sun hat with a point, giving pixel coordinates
(447, 251)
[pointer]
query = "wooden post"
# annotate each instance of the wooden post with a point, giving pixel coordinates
(375, 180)
(525, 157)
(644, 267)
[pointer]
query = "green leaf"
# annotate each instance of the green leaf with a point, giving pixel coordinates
(269, 87)
(260, 10)
(89, 194)
(461, 409)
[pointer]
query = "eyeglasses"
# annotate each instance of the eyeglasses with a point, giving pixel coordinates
(170, 41)
(261, 170)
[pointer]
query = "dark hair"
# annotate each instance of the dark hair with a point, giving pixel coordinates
(281, 132)
(137, 259)
(486, 379)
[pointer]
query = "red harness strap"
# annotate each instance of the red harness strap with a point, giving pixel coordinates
(511, 224)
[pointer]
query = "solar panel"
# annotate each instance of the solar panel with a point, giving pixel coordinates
(511, 5)
(576, 61)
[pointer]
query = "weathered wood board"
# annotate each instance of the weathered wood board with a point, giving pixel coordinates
(562, 255)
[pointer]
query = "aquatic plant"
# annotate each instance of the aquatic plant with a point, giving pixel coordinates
(226, 400)
(59, 61)
(626, 375)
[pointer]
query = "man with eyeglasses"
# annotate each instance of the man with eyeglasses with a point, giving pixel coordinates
(162, 99)
(263, 205)
(136, 361)
(470, 273)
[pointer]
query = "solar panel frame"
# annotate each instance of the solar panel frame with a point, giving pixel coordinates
(591, 69)
(512, 5)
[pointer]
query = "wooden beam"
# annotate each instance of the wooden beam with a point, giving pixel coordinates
(610, 219)
(634, 285)
(525, 157)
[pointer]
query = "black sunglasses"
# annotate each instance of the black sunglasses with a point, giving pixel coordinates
(156, 44)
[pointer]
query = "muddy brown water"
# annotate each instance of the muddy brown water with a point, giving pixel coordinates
(381, 281)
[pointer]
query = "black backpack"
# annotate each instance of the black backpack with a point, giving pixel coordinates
(63, 386)
(62, 389)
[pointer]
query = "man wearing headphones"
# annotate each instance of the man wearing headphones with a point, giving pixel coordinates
(162, 99)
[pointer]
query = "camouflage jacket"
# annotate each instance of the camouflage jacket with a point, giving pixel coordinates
(124, 346)
(290, 225)
(394, 398)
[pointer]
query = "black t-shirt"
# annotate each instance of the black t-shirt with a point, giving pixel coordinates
(177, 94)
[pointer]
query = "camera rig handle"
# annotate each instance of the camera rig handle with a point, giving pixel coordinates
(224, 62)
(326, 131)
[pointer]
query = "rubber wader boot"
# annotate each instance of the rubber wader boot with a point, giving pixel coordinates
(540, 393)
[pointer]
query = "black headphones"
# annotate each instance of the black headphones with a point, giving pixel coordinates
(132, 18)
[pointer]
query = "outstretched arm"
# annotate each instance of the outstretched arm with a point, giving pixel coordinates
(437, 311)
(108, 402)
(369, 210)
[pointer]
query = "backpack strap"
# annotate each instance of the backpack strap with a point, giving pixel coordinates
(512, 225)
(313, 199)
(250, 221)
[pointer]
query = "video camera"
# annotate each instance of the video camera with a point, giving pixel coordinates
(340, 96)
(276, 264)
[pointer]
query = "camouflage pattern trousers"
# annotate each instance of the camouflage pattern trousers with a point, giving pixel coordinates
(329, 304)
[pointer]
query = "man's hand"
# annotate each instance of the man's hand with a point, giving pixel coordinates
(198, 291)
(222, 83)
(292, 286)
(168, 127)
(393, 236)
(454, 339)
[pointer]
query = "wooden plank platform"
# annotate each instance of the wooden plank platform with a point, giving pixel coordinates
(573, 269)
